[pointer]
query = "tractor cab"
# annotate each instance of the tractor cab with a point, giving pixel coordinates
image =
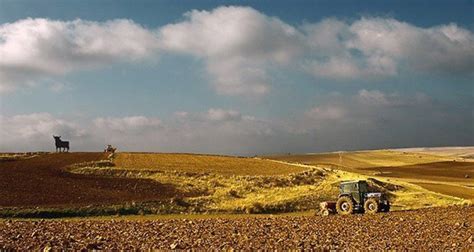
(356, 189)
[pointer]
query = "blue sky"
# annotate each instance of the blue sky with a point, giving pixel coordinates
(236, 77)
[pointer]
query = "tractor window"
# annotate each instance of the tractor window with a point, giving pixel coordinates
(363, 187)
(348, 187)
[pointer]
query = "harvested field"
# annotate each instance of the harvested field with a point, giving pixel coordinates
(195, 163)
(406, 166)
(41, 181)
(456, 191)
(440, 171)
(424, 229)
(361, 159)
(463, 152)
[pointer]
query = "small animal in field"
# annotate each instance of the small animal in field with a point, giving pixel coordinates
(61, 145)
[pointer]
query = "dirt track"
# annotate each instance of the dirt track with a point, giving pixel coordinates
(41, 181)
(427, 229)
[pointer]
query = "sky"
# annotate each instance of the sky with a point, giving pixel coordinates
(236, 77)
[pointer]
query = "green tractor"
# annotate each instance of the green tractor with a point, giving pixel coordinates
(355, 197)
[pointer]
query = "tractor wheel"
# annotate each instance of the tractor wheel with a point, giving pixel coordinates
(371, 206)
(344, 205)
(325, 212)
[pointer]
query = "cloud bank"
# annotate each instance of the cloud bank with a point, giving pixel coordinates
(366, 119)
(238, 45)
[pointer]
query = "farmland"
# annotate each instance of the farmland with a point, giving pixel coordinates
(41, 181)
(195, 163)
(159, 200)
(83, 184)
(425, 229)
(448, 174)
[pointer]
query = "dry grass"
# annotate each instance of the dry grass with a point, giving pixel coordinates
(254, 185)
(223, 165)
(428, 179)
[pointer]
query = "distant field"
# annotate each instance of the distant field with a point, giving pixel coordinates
(361, 159)
(448, 173)
(457, 191)
(466, 152)
(223, 165)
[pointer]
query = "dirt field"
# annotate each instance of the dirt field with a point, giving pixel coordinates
(425, 229)
(41, 181)
(223, 165)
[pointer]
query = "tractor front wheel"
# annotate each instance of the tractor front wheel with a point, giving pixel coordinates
(344, 205)
(371, 206)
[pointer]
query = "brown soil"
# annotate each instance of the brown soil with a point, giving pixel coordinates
(425, 229)
(41, 181)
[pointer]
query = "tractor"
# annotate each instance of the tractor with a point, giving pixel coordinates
(355, 197)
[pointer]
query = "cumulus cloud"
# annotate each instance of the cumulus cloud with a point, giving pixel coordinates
(128, 124)
(223, 115)
(33, 49)
(379, 47)
(237, 44)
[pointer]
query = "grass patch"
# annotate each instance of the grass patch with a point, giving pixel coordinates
(157, 207)
(234, 194)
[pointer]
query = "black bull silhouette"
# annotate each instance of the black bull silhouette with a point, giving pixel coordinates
(61, 145)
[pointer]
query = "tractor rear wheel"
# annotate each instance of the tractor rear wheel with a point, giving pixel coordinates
(344, 205)
(371, 206)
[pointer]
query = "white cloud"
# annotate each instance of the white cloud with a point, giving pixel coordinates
(34, 131)
(327, 112)
(214, 114)
(36, 124)
(130, 123)
(378, 47)
(373, 97)
(237, 43)
(32, 49)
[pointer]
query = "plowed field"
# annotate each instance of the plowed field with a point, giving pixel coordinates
(424, 229)
(41, 181)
